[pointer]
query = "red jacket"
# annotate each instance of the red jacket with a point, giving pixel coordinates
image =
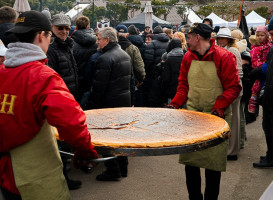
(29, 94)
(227, 72)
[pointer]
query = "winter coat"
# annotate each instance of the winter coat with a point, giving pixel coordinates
(171, 72)
(61, 59)
(268, 91)
(136, 60)
(137, 40)
(111, 85)
(84, 46)
(259, 53)
(6, 39)
(227, 72)
(154, 51)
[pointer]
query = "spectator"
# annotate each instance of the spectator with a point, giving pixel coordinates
(258, 57)
(153, 53)
(225, 40)
(137, 62)
(240, 42)
(147, 31)
(136, 39)
(270, 28)
(208, 21)
(111, 88)
(47, 13)
(61, 59)
(84, 47)
(181, 37)
(208, 82)
(7, 20)
(30, 164)
(171, 69)
(266, 102)
(169, 32)
(148, 39)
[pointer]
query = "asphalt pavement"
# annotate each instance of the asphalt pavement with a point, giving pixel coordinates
(162, 177)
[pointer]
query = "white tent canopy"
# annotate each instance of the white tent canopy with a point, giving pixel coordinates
(77, 10)
(252, 20)
(193, 17)
(217, 21)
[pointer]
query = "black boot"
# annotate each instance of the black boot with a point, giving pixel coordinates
(123, 165)
(72, 184)
(112, 172)
(266, 163)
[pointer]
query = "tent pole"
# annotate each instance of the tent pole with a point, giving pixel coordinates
(240, 13)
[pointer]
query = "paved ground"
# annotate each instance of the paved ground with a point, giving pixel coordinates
(161, 177)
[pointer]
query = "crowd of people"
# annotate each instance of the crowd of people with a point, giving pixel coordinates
(49, 74)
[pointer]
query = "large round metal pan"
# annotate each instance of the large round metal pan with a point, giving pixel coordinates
(161, 150)
(153, 131)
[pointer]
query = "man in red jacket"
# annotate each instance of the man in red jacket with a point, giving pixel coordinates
(33, 98)
(208, 82)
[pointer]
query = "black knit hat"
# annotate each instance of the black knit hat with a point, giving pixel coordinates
(157, 30)
(132, 30)
(202, 29)
(174, 43)
(29, 20)
(210, 20)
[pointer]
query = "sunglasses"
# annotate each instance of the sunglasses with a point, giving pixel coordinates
(60, 28)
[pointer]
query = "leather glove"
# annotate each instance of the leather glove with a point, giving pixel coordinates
(82, 159)
(219, 112)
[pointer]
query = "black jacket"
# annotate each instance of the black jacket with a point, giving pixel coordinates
(267, 102)
(61, 59)
(139, 43)
(171, 71)
(154, 51)
(84, 47)
(111, 85)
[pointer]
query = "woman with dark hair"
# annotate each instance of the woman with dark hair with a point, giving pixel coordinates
(225, 40)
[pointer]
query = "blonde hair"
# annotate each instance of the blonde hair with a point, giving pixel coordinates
(182, 38)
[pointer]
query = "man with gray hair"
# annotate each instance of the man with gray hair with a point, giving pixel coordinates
(111, 88)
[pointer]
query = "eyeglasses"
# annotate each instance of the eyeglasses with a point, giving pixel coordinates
(60, 28)
(51, 38)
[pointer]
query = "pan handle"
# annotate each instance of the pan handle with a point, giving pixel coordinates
(97, 160)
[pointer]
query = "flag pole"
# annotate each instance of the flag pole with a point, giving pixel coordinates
(240, 13)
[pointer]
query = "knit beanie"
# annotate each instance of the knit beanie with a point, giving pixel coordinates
(210, 20)
(174, 43)
(237, 34)
(132, 30)
(121, 28)
(270, 24)
(47, 13)
(157, 30)
(262, 28)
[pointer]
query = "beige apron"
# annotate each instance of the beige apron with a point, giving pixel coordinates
(38, 169)
(204, 88)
